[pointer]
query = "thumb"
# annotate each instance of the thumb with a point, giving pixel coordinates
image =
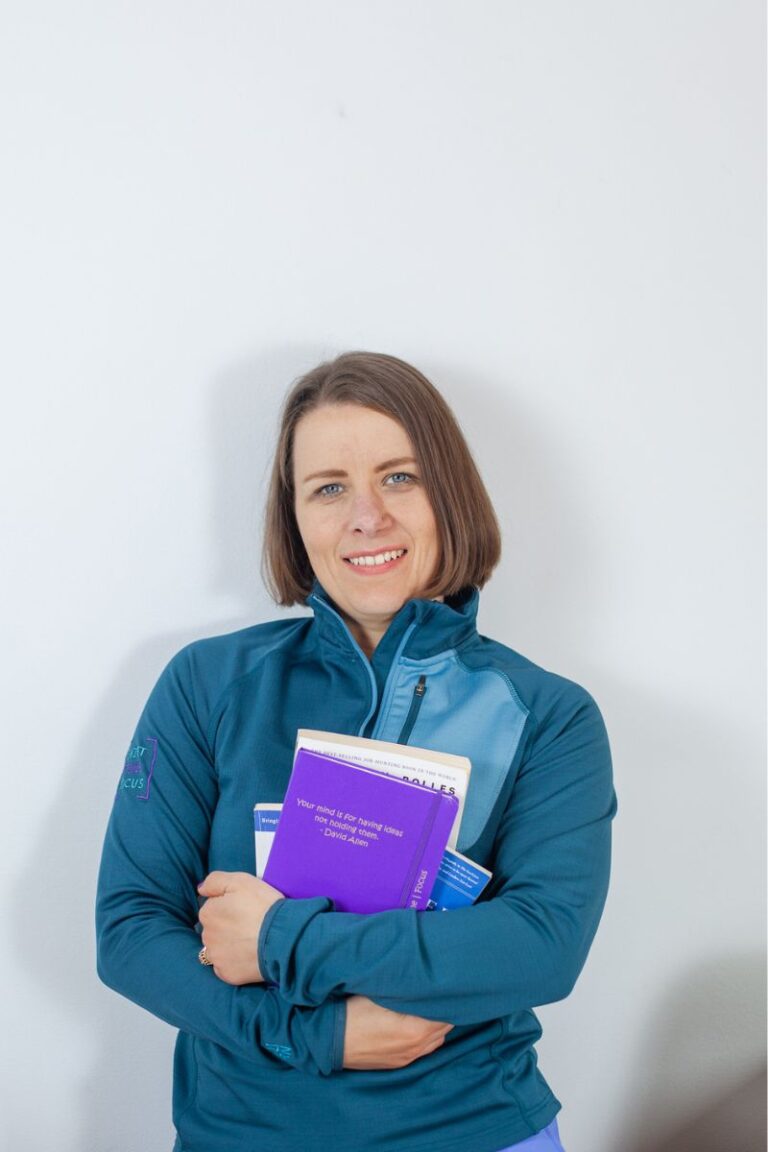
(215, 884)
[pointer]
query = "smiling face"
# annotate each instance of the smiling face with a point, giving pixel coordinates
(364, 517)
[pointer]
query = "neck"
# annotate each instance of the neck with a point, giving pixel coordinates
(369, 633)
(367, 636)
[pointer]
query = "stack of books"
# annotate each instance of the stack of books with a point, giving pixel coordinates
(370, 825)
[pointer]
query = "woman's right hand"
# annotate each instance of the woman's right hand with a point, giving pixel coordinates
(377, 1038)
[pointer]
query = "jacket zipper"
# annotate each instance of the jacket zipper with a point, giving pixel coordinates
(419, 693)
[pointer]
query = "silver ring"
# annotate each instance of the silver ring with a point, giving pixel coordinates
(203, 958)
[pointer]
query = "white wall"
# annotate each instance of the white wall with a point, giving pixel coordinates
(556, 210)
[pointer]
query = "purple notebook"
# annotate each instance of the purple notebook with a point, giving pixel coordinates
(366, 840)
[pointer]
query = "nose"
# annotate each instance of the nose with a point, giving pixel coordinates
(369, 514)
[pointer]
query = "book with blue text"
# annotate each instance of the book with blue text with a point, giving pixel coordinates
(458, 884)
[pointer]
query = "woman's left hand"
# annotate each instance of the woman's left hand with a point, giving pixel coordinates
(235, 906)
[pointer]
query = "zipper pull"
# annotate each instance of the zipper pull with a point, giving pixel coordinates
(418, 695)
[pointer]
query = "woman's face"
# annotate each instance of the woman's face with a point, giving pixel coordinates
(367, 525)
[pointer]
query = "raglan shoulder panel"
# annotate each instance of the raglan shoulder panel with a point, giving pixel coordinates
(212, 667)
(549, 700)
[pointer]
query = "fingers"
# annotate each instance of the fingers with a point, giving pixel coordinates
(419, 1026)
(379, 1038)
(425, 1036)
(217, 883)
(433, 1047)
(220, 883)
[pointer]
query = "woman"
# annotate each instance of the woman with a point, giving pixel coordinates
(299, 1025)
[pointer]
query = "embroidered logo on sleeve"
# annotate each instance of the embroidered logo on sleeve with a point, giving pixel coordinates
(138, 769)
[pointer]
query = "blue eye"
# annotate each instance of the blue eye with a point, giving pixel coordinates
(398, 478)
(329, 490)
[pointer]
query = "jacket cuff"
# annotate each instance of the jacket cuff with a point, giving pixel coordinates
(339, 1031)
(322, 1032)
(284, 924)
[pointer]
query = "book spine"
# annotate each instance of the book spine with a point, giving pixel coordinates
(418, 883)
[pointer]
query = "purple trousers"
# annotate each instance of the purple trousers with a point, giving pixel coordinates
(548, 1140)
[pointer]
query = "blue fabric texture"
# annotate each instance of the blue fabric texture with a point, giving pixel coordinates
(261, 1066)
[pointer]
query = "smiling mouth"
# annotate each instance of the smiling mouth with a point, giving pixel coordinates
(375, 559)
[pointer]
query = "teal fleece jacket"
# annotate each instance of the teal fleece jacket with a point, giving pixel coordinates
(260, 1067)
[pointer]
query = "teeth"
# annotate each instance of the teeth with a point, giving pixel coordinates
(379, 558)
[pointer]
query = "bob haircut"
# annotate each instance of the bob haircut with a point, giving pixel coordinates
(467, 529)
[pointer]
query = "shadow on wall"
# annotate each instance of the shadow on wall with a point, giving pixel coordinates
(720, 1007)
(125, 1096)
(242, 418)
(127, 1087)
(534, 472)
(734, 1122)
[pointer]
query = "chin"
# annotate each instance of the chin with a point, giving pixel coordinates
(383, 604)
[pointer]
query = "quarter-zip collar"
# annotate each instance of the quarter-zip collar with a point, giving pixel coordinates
(437, 627)
(420, 630)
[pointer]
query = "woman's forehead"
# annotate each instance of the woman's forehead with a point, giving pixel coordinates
(348, 431)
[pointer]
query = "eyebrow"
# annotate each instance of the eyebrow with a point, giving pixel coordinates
(339, 473)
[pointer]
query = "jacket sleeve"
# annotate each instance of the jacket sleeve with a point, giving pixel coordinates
(523, 946)
(155, 853)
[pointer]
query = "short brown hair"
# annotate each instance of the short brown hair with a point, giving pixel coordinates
(468, 532)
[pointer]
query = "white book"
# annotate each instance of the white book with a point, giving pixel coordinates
(265, 818)
(439, 770)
